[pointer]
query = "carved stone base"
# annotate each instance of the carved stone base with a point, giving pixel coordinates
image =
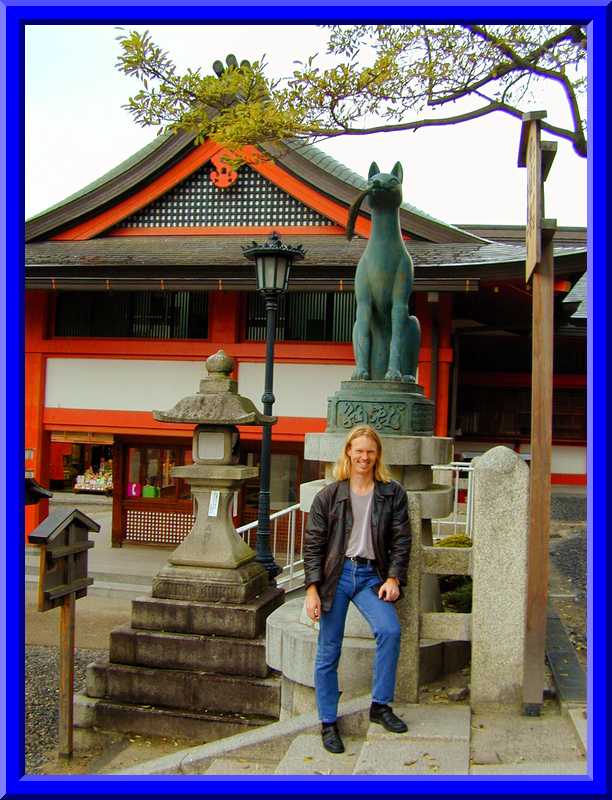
(209, 584)
(390, 407)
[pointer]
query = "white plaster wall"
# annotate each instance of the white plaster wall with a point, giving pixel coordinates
(565, 460)
(120, 384)
(301, 390)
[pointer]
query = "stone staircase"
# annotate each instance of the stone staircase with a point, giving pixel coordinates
(437, 742)
(442, 739)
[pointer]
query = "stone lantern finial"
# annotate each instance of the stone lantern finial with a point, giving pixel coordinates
(220, 365)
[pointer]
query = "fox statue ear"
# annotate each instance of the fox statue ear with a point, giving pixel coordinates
(373, 170)
(398, 171)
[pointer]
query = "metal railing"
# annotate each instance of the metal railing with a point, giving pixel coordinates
(462, 473)
(293, 568)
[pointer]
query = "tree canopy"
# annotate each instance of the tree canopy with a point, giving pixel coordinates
(383, 78)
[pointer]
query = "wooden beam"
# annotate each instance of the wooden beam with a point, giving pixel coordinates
(541, 446)
(62, 552)
(549, 151)
(64, 589)
(527, 119)
(535, 199)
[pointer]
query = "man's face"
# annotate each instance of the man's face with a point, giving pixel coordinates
(362, 453)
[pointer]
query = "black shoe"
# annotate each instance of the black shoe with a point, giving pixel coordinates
(383, 715)
(331, 738)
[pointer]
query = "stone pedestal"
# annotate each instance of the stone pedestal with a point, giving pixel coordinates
(213, 563)
(185, 668)
(391, 407)
(194, 653)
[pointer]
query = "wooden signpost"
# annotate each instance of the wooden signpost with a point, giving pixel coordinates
(538, 156)
(62, 579)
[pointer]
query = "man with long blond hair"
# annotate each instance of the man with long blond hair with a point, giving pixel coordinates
(356, 548)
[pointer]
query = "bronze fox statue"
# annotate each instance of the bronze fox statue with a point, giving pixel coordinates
(386, 338)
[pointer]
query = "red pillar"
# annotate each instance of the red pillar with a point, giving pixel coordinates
(445, 359)
(223, 318)
(35, 372)
(423, 313)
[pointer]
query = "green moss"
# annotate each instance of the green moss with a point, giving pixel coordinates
(455, 540)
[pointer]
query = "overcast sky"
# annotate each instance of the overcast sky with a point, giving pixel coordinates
(76, 129)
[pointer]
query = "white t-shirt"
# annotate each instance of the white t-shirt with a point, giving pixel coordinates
(360, 538)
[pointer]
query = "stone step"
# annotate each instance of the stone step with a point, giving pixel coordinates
(272, 740)
(307, 756)
(108, 715)
(397, 754)
(184, 689)
(185, 651)
(437, 743)
(245, 620)
(241, 766)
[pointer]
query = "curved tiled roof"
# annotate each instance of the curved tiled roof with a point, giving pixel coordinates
(124, 166)
(220, 250)
(344, 173)
(307, 162)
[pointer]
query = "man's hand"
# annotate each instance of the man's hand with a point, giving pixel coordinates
(389, 591)
(313, 603)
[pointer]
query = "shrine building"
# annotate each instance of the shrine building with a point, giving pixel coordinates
(132, 282)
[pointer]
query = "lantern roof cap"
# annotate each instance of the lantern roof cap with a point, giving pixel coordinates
(273, 245)
(217, 402)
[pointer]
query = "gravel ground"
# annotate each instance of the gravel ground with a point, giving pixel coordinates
(42, 699)
(568, 567)
(568, 553)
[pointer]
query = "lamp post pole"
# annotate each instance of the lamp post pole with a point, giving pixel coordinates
(273, 261)
(262, 547)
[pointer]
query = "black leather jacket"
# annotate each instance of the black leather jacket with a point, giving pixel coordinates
(330, 522)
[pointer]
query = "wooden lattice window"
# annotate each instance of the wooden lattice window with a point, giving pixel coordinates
(506, 412)
(157, 527)
(132, 315)
(304, 317)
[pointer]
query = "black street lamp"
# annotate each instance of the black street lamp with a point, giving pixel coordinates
(273, 261)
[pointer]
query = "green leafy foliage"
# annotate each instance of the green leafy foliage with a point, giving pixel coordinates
(384, 78)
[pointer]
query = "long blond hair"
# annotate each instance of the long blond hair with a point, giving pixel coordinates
(342, 468)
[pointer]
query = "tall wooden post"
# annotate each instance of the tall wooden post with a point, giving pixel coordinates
(66, 691)
(62, 580)
(66, 653)
(538, 157)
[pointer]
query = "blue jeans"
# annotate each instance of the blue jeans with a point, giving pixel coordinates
(356, 583)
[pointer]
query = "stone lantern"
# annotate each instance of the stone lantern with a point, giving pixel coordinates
(192, 663)
(213, 563)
